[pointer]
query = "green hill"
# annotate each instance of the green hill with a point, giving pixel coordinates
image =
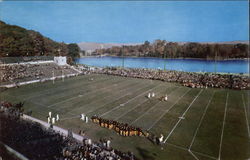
(16, 41)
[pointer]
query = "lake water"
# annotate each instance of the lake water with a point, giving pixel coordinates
(189, 65)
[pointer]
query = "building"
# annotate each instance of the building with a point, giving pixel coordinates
(60, 60)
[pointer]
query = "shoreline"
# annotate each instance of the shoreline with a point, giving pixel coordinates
(155, 69)
(179, 58)
(162, 70)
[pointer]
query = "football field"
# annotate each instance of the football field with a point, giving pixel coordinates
(198, 124)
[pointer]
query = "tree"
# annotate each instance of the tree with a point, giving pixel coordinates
(17, 41)
(73, 50)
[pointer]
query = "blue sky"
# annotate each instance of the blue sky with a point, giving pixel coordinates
(129, 22)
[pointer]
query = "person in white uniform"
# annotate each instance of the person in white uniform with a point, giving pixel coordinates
(82, 117)
(86, 119)
(53, 120)
(161, 139)
(48, 120)
(57, 117)
(153, 94)
(50, 114)
(89, 141)
(108, 143)
(166, 98)
(149, 95)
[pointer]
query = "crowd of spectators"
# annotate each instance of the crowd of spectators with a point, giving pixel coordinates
(25, 72)
(38, 143)
(189, 79)
(29, 138)
(94, 151)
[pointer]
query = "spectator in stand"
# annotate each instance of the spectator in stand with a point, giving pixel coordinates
(189, 79)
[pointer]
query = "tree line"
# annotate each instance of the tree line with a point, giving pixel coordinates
(164, 49)
(16, 41)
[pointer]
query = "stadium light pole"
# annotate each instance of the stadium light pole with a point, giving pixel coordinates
(59, 51)
(122, 59)
(62, 76)
(53, 77)
(164, 61)
(215, 62)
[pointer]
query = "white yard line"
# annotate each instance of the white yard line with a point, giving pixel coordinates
(114, 100)
(91, 92)
(151, 108)
(182, 116)
(108, 102)
(62, 119)
(201, 120)
(205, 155)
(223, 126)
(28, 101)
(63, 101)
(132, 108)
(102, 99)
(164, 113)
(65, 88)
(244, 104)
(127, 101)
(186, 149)
(193, 154)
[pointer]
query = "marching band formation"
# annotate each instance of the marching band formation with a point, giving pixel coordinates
(122, 129)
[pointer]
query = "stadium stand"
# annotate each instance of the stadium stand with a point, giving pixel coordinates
(189, 79)
(14, 73)
(6, 60)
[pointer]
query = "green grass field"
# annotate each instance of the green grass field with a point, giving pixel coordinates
(198, 124)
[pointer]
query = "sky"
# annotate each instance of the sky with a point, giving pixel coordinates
(131, 21)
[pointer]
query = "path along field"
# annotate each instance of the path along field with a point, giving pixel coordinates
(199, 124)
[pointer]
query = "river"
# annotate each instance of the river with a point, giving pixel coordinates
(188, 65)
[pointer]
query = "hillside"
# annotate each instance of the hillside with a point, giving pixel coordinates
(163, 48)
(91, 46)
(226, 42)
(17, 41)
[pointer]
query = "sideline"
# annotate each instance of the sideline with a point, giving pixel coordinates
(57, 129)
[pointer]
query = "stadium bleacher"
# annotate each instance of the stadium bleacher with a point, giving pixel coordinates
(26, 72)
(189, 79)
